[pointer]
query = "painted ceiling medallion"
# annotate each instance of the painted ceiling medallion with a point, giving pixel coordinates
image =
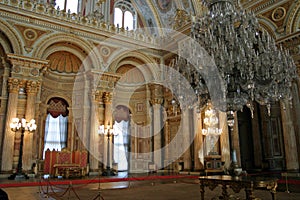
(30, 34)
(278, 14)
(164, 5)
(105, 51)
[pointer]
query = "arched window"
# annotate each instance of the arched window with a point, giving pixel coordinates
(56, 127)
(124, 14)
(66, 5)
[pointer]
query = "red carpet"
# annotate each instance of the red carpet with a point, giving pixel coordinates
(44, 182)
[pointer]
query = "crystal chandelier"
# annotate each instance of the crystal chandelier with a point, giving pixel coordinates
(250, 65)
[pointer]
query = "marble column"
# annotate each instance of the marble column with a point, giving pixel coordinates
(32, 88)
(6, 73)
(290, 142)
(9, 136)
(198, 142)
(166, 144)
(108, 121)
(94, 135)
(224, 140)
(186, 139)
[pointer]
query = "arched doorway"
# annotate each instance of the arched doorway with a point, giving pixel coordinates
(121, 139)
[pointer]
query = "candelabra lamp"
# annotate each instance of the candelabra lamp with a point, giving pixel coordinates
(21, 125)
(109, 133)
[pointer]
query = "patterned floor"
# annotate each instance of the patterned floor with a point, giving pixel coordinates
(171, 189)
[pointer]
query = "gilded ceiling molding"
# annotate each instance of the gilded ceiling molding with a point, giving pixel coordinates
(268, 26)
(261, 5)
(12, 35)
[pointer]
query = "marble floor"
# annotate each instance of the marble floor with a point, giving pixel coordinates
(172, 189)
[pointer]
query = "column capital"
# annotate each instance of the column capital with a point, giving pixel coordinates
(32, 87)
(97, 96)
(15, 84)
(107, 97)
(157, 101)
(156, 94)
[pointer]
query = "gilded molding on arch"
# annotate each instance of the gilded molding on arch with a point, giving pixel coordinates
(267, 27)
(12, 35)
(292, 16)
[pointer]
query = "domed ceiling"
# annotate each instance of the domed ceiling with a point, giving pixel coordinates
(64, 62)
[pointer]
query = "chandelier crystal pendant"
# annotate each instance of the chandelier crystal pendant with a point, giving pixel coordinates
(211, 130)
(248, 61)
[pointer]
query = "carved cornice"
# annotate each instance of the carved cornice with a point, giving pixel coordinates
(23, 66)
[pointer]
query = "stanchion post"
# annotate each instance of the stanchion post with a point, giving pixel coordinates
(286, 182)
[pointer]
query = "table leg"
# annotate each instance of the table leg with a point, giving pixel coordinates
(202, 190)
(67, 173)
(249, 194)
(224, 191)
(273, 193)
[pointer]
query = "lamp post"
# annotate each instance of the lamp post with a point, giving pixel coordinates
(108, 132)
(21, 125)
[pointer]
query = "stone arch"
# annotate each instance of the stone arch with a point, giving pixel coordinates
(46, 47)
(293, 18)
(14, 45)
(268, 26)
(136, 59)
(65, 97)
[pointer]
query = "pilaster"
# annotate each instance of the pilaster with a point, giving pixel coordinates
(156, 102)
(8, 144)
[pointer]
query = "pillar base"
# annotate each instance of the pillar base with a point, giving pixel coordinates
(18, 176)
(108, 172)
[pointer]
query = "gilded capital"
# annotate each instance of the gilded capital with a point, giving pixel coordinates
(97, 96)
(15, 84)
(156, 101)
(32, 87)
(107, 97)
(156, 94)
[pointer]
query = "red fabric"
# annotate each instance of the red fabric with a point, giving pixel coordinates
(80, 157)
(47, 162)
(64, 157)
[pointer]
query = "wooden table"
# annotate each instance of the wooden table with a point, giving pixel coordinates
(237, 183)
(68, 170)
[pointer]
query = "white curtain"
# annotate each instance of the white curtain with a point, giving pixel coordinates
(56, 133)
(63, 131)
(121, 145)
